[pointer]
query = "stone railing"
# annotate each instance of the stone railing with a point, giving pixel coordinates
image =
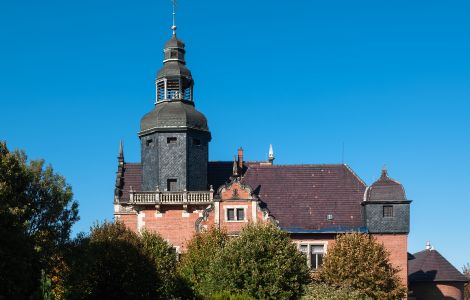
(159, 198)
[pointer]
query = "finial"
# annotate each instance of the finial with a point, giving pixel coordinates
(121, 152)
(384, 171)
(173, 27)
(271, 154)
(235, 166)
(428, 245)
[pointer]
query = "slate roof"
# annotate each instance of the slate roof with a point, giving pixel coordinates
(386, 188)
(431, 266)
(299, 197)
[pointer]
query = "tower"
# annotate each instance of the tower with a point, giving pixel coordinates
(386, 208)
(174, 135)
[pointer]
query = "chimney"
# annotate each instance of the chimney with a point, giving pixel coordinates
(240, 158)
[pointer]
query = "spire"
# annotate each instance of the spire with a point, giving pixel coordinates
(173, 27)
(235, 167)
(121, 153)
(271, 157)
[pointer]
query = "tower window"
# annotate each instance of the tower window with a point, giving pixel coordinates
(171, 140)
(388, 211)
(196, 142)
(149, 142)
(171, 185)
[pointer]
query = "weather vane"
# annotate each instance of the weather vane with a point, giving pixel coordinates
(174, 17)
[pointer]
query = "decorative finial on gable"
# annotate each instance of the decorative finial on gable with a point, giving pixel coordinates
(235, 167)
(121, 153)
(271, 157)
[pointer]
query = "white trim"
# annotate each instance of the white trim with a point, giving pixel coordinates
(217, 212)
(254, 205)
(140, 221)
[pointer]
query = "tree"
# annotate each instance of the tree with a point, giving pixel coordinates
(37, 212)
(466, 272)
(196, 264)
(359, 262)
(263, 263)
(164, 260)
(319, 291)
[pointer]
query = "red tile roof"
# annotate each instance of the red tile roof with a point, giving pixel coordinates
(298, 196)
(132, 177)
(302, 196)
(431, 266)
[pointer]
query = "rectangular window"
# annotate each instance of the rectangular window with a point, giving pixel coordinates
(230, 214)
(196, 142)
(240, 214)
(314, 255)
(388, 211)
(171, 140)
(171, 185)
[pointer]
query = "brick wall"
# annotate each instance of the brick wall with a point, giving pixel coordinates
(397, 246)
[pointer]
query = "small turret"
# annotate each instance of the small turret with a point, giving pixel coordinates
(386, 208)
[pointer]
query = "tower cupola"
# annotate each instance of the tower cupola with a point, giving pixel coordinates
(174, 135)
(174, 80)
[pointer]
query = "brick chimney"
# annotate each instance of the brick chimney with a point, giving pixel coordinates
(240, 158)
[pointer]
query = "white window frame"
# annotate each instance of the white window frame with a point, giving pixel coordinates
(235, 207)
(309, 251)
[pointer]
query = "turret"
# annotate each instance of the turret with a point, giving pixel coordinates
(386, 208)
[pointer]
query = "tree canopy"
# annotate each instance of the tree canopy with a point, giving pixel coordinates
(262, 262)
(357, 261)
(37, 212)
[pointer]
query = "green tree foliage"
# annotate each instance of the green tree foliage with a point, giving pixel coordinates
(111, 264)
(263, 263)
(37, 212)
(359, 262)
(164, 260)
(319, 291)
(230, 296)
(196, 265)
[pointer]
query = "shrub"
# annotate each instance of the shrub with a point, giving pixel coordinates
(359, 262)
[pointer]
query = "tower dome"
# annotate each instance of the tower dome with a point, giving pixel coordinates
(386, 189)
(173, 115)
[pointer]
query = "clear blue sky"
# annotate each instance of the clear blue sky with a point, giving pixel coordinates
(390, 79)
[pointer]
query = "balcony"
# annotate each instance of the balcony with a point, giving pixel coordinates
(171, 198)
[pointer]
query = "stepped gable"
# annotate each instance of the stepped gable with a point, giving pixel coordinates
(431, 266)
(300, 197)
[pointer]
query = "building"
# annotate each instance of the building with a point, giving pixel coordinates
(432, 277)
(176, 191)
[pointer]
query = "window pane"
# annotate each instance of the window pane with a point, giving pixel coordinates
(320, 260)
(240, 214)
(230, 214)
(317, 249)
(303, 249)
